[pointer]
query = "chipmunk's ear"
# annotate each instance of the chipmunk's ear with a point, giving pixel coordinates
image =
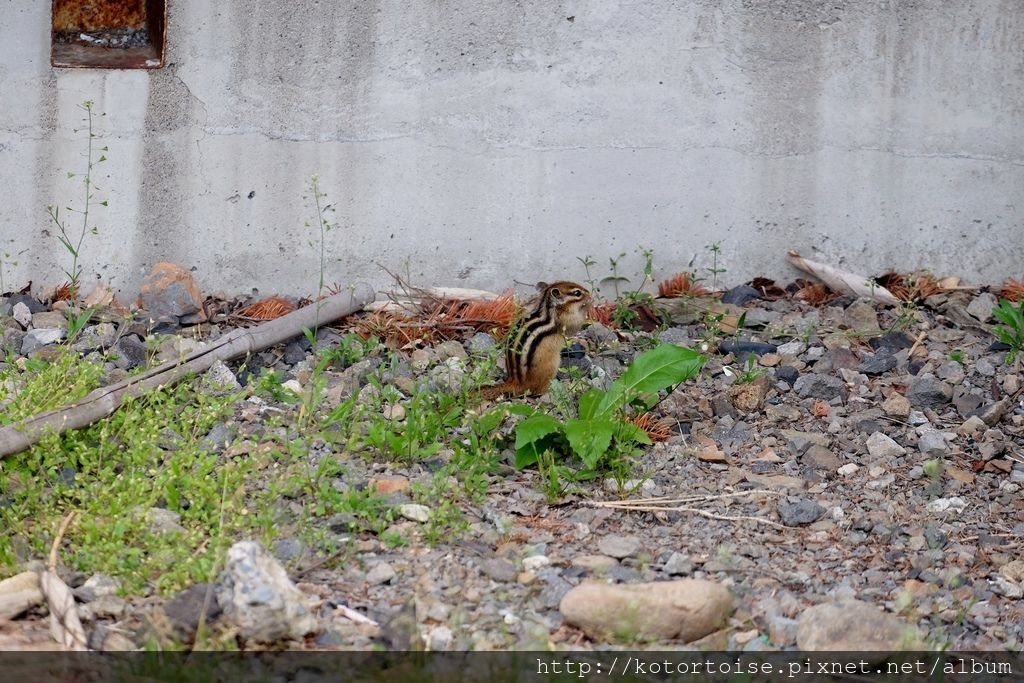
(541, 286)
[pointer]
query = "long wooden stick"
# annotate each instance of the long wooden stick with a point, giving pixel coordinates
(105, 400)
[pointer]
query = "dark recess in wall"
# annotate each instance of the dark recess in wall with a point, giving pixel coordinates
(108, 34)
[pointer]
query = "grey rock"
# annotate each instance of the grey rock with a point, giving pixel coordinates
(800, 513)
(161, 521)
(984, 367)
(555, 587)
(296, 350)
(220, 380)
(37, 338)
(599, 335)
(787, 374)
(676, 335)
(926, 391)
(382, 572)
(218, 438)
(96, 587)
(50, 320)
(860, 316)
(853, 626)
(881, 446)
(878, 363)
(480, 342)
(952, 372)
(288, 549)
(824, 387)
(449, 349)
(822, 458)
(678, 564)
(21, 313)
(129, 352)
(26, 299)
(499, 569)
(981, 306)
(966, 402)
(99, 336)
(103, 607)
(932, 442)
(258, 597)
(619, 546)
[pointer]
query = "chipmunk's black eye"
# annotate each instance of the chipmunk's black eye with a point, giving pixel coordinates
(575, 292)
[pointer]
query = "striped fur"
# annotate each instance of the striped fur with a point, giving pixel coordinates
(534, 352)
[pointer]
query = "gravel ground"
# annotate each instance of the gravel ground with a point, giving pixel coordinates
(877, 455)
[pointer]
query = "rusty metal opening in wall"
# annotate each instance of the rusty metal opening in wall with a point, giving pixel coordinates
(108, 34)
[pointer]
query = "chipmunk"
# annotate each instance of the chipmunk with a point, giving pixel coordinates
(535, 351)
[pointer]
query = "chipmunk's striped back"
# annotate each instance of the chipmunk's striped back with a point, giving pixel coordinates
(534, 352)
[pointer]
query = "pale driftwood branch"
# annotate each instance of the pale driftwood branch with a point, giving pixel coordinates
(663, 504)
(105, 400)
(65, 625)
(843, 281)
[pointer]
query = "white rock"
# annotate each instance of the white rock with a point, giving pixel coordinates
(415, 512)
(439, 639)
(22, 314)
(258, 597)
(881, 446)
(956, 504)
(535, 562)
(292, 385)
(382, 572)
(848, 469)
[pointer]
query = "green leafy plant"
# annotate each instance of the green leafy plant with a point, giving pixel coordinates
(1011, 332)
(957, 357)
(600, 425)
(751, 370)
(323, 226)
(66, 233)
(588, 262)
(715, 270)
(615, 278)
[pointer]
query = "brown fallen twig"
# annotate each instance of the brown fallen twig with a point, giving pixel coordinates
(105, 400)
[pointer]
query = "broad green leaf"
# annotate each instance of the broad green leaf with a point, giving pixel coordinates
(650, 372)
(490, 420)
(589, 439)
(589, 402)
(534, 428)
(529, 454)
(520, 409)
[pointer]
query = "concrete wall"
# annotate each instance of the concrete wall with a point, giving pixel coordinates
(486, 141)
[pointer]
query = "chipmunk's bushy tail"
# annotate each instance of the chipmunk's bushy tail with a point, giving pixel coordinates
(493, 391)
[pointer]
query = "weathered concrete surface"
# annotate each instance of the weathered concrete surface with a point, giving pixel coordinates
(487, 141)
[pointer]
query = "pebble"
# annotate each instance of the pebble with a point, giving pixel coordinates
(800, 513)
(535, 562)
(825, 387)
(881, 446)
(926, 391)
(415, 512)
(499, 569)
(853, 626)
(619, 546)
(678, 564)
(382, 572)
